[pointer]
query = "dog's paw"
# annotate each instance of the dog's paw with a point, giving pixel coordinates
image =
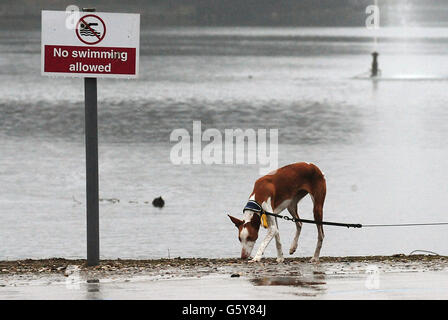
(255, 259)
(280, 260)
(314, 260)
(292, 250)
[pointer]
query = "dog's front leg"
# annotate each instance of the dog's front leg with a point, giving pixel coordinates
(272, 232)
(278, 245)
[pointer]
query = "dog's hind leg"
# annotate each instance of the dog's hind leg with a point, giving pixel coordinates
(318, 201)
(293, 209)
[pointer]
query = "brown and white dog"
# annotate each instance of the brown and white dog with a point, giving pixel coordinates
(274, 192)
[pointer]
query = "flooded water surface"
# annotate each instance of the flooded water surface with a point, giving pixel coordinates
(381, 144)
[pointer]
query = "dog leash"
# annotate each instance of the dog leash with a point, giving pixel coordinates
(355, 225)
(256, 207)
(405, 224)
(328, 223)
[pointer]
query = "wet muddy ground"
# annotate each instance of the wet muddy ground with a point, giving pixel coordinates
(372, 277)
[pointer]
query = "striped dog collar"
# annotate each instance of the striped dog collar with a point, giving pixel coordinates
(254, 206)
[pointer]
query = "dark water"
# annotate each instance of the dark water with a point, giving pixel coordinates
(381, 144)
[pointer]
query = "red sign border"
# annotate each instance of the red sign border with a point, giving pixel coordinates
(79, 36)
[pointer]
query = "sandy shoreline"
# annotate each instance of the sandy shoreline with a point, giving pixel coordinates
(399, 276)
(187, 266)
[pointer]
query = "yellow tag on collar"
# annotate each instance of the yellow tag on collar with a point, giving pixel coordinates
(264, 220)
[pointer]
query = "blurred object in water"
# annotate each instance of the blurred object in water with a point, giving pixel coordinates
(158, 202)
(374, 70)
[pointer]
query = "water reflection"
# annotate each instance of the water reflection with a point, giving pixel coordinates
(308, 286)
(93, 289)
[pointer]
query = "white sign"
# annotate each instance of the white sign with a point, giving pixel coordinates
(96, 44)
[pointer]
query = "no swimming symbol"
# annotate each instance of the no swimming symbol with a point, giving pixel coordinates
(90, 29)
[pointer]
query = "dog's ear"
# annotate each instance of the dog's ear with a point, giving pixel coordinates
(236, 221)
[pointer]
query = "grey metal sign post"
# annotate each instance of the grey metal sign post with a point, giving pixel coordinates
(92, 185)
(91, 133)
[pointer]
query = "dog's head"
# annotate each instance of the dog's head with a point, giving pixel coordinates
(247, 231)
